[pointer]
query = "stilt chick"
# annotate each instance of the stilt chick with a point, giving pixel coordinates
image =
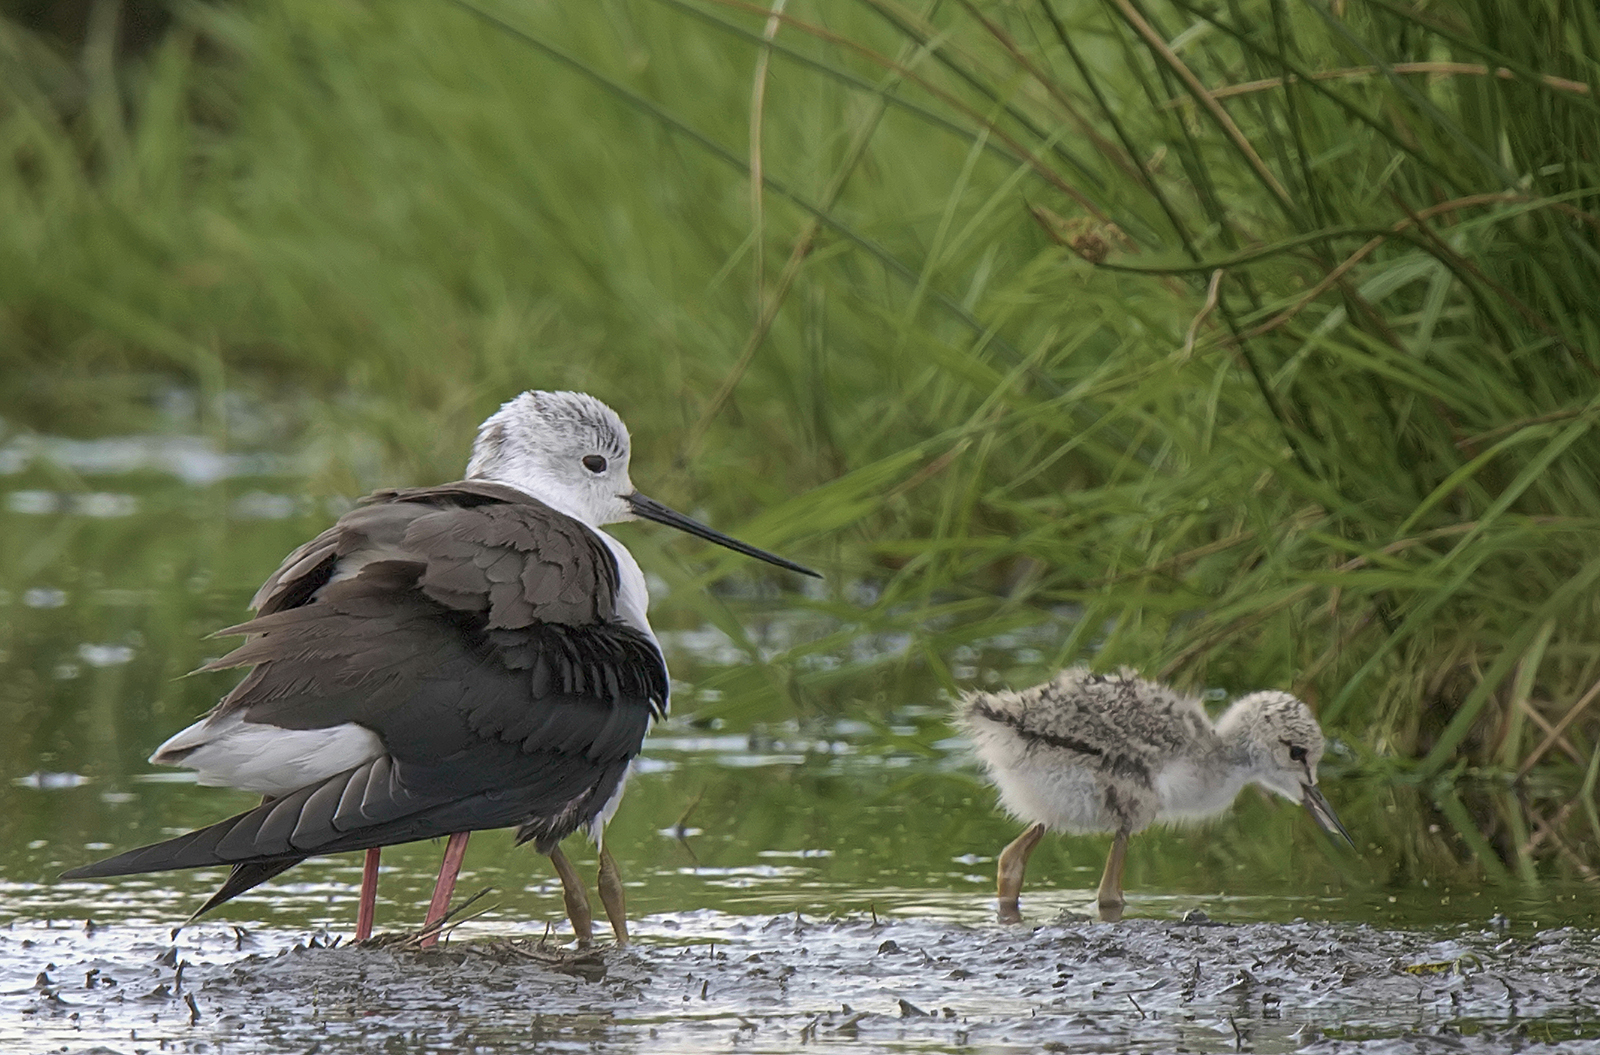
(1114, 753)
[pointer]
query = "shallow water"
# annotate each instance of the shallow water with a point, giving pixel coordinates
(809, 858)
(715, 981)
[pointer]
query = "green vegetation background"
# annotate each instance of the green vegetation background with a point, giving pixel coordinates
(1248, 343)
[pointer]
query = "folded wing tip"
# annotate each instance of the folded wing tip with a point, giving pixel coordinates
(94, 870)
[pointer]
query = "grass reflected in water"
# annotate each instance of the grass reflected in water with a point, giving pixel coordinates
(772, 803)
(848, 795)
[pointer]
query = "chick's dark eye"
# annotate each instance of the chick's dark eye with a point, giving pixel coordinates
(594, 463)
(1297, 754)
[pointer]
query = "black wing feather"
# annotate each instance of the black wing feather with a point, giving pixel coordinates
(475, 630)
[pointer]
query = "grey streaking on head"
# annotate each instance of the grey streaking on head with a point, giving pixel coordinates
(1090, 752)
(443, 660)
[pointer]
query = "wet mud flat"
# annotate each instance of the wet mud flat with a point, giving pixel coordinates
(717, 982)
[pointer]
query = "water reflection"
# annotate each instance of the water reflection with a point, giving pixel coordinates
(806, 850)
(823, 834)
(193, 460)
(852, 776)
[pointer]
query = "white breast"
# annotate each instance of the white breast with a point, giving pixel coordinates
(1189, 793)
(632, 598)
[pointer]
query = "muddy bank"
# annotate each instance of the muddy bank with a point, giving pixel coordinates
(713, 982)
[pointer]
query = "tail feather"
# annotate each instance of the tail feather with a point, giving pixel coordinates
(345, 812)
(242, 878)
(287, 828)
(196, 849)
(366, 807)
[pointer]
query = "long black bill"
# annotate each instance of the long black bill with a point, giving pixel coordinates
(1319, 808)
(650, 509)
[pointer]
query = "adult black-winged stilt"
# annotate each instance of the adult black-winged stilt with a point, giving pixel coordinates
(444, 660)
(1093, 752)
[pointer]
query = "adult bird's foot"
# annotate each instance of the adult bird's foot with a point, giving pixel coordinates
(575, 897)
(611, 895)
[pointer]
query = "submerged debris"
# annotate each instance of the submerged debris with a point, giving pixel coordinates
(698, 981)
(442, 927)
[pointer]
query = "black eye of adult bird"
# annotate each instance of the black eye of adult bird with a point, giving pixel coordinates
(1297, 753)
(443, 660)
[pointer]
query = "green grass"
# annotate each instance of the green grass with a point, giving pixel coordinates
(1295, 386)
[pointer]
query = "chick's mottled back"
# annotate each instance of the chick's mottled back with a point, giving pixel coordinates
(1083, 752)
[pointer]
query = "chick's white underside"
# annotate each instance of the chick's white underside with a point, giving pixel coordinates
(1071, 798)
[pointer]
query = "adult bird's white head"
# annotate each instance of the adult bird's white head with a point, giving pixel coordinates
(571, 451)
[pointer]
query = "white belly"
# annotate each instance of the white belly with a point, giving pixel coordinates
(633, 602)
(1062, 798)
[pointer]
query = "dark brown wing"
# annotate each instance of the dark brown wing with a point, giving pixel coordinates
(474, 630)
(360, 617)
(484, 544)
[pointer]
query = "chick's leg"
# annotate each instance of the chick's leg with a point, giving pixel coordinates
(1013, 865)
(1110, 899)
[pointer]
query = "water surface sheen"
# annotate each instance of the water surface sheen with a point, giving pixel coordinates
(805, 868)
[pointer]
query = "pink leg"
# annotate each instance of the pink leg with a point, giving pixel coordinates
(454, 851)
(367, 908)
